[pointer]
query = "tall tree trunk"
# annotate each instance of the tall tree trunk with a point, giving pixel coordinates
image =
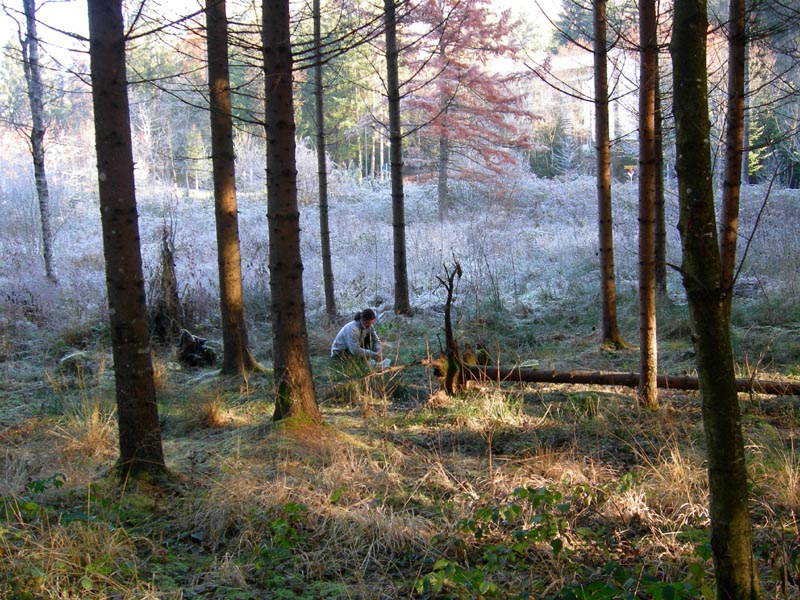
(33, 79)
(648, 344)
(734, 140)
(611, 336)
(294, 384)
(660, 234)
(237, 357)
(402, 304)
(137, 411)
(731, 532)
(322, 170)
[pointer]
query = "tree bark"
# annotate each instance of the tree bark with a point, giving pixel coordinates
(402, 303)
(648, 345)
(734, 143)
(33, 79)
(322, 170)
(294, 384)
(137, 411)
(731, 530)
(660, 233)
(442, 183)
(237, 357)
(611, 336)
(746, 116)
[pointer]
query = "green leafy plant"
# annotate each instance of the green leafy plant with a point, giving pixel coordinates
(276, 555)
(621, 583)
(449, 579)
(56, 480)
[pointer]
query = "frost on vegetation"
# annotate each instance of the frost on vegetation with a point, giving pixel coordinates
(525, 242)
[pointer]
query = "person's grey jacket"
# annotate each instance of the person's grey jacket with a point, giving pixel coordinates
(357, 340)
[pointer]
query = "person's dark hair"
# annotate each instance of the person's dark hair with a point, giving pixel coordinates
(365, 315)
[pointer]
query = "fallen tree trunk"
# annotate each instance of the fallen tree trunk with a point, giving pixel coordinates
(675, 382)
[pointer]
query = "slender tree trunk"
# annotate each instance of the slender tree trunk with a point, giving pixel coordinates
(402, 304)
(731, 530)
(734, 140)
(383, 156)
(360, 159)
(442, 183)
(137, 411)
(33, 79)
(237, 357)
(611, 336)
(648, 345)
(322, 170)
(294, 384)
(373, 163)
(444, 148)
(746, 116)
(369, 153)
(660, 250)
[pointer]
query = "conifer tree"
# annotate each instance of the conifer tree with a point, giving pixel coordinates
(402, 303)
(294, 384)
(648, 344)
(237, 357)
(137, 411)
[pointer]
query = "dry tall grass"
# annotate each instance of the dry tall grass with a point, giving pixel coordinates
(516, 488)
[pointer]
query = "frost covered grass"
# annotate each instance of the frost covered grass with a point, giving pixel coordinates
(528, 247)
(531, 256)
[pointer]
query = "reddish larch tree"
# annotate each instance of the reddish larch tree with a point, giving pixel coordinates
(463, 98)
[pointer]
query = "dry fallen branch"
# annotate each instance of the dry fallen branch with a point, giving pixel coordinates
(676, 382)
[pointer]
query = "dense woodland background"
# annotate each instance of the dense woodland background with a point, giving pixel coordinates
(503, 491)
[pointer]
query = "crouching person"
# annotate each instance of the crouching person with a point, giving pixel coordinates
(358, 342)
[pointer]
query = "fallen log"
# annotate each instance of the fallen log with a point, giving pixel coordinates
(675, 382)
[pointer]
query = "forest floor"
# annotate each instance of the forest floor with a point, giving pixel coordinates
(505, 491)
